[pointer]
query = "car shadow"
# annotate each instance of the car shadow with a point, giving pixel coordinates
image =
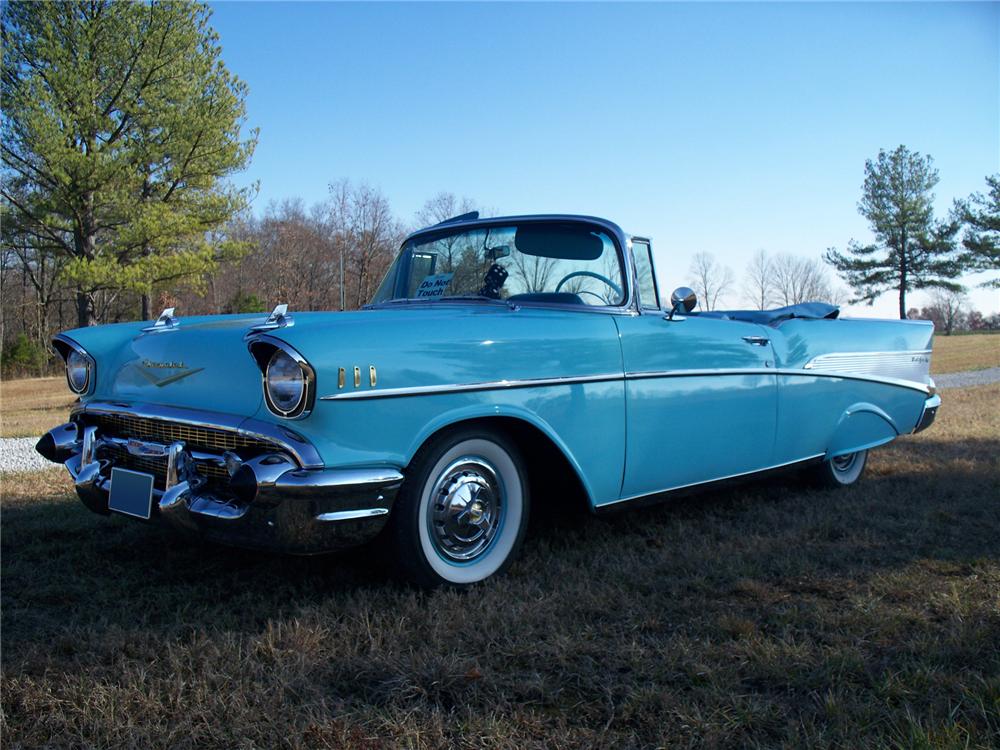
(68, 571)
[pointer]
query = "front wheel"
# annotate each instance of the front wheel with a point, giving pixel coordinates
(841, 470)
(461, 514)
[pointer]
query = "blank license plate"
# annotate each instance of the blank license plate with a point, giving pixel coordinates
(131, 493)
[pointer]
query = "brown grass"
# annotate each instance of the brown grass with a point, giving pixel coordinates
(769, 615)
(33, 406)
(961, 353)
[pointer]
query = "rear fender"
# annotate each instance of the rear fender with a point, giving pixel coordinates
(862, 426)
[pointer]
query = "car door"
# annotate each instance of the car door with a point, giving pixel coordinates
(701, 402)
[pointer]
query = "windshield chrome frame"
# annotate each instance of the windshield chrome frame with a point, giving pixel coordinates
(635, 281)
(619, 239)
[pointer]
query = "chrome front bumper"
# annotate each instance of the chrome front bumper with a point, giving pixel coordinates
(269, 500)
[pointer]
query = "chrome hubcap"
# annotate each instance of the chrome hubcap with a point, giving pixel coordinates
(466, 508)
(844, 463)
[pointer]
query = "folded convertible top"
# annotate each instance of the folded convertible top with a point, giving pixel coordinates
(814, 310)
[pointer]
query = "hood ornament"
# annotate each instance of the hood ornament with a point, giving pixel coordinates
(166, 321)
(279, 318)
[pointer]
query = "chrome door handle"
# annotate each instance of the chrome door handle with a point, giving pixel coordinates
(757, 340)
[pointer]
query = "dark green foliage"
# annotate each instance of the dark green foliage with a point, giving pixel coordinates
(911, 249)
(22, 355)
(981, 216)
(245, 302)
(120, 124)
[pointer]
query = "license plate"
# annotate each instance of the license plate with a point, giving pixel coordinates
(131, 493)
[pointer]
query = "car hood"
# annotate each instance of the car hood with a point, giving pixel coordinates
(201, 363)
(204, 362)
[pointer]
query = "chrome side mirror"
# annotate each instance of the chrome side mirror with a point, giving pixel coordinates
(682, 298)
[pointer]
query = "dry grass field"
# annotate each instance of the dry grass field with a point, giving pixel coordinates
(961, 353)
(769, 615)
(33, 406)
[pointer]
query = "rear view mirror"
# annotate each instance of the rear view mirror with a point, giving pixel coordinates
(500, 251)
(564, 241)
(682, 299)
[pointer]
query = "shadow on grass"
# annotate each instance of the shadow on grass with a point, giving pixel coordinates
(763, 614)
(64, 566)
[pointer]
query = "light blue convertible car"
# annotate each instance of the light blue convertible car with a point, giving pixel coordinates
(500, 359)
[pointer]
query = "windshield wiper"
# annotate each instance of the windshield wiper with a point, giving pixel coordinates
(481, 298)
(455, 298)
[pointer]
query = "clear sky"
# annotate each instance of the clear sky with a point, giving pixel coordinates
(710, 127)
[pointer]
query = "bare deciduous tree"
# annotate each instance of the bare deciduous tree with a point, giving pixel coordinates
(364, 221)
(796, 280)
(758, 282)
(444, 206)
(946, 309)
(710, 280)
(787, 280)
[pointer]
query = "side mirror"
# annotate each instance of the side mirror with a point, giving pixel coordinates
(682, 298)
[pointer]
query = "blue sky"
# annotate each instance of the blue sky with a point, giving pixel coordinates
(710, 127)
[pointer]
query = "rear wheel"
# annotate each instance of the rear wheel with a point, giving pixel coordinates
(461, 514)
(841, 471)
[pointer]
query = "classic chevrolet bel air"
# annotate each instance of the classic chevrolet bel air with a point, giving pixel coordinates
(500, 359)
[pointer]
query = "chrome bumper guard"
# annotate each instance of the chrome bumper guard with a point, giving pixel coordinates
(270, 502)
(928, 414)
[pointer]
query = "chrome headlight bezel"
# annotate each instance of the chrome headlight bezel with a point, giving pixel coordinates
(70, 350)
(265, 350)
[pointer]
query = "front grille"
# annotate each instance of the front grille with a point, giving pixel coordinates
(166, 432)
(217, 476)
(206, 439)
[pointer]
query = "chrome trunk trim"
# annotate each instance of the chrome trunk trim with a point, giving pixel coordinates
(912, 365)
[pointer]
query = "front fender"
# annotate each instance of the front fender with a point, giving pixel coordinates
(862, 426)
(486, 411)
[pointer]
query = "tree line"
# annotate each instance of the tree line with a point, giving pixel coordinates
(913, 250)
(331, 255)
(122, 127)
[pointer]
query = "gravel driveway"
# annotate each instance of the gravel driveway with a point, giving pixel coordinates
(965, 379)
(18, 454)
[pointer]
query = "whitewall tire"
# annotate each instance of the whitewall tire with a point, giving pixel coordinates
(461, 514)
(841, 471)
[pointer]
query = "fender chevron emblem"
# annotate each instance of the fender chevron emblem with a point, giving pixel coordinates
(160, 382)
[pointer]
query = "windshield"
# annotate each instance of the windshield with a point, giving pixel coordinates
(561, 262)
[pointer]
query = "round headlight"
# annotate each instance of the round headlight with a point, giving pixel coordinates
(285, 382)
(77, 371)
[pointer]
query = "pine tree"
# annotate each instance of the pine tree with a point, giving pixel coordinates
(911, 249)
(981, 216)
(120, 124)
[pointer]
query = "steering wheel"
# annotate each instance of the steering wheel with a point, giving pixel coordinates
(592, 275)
